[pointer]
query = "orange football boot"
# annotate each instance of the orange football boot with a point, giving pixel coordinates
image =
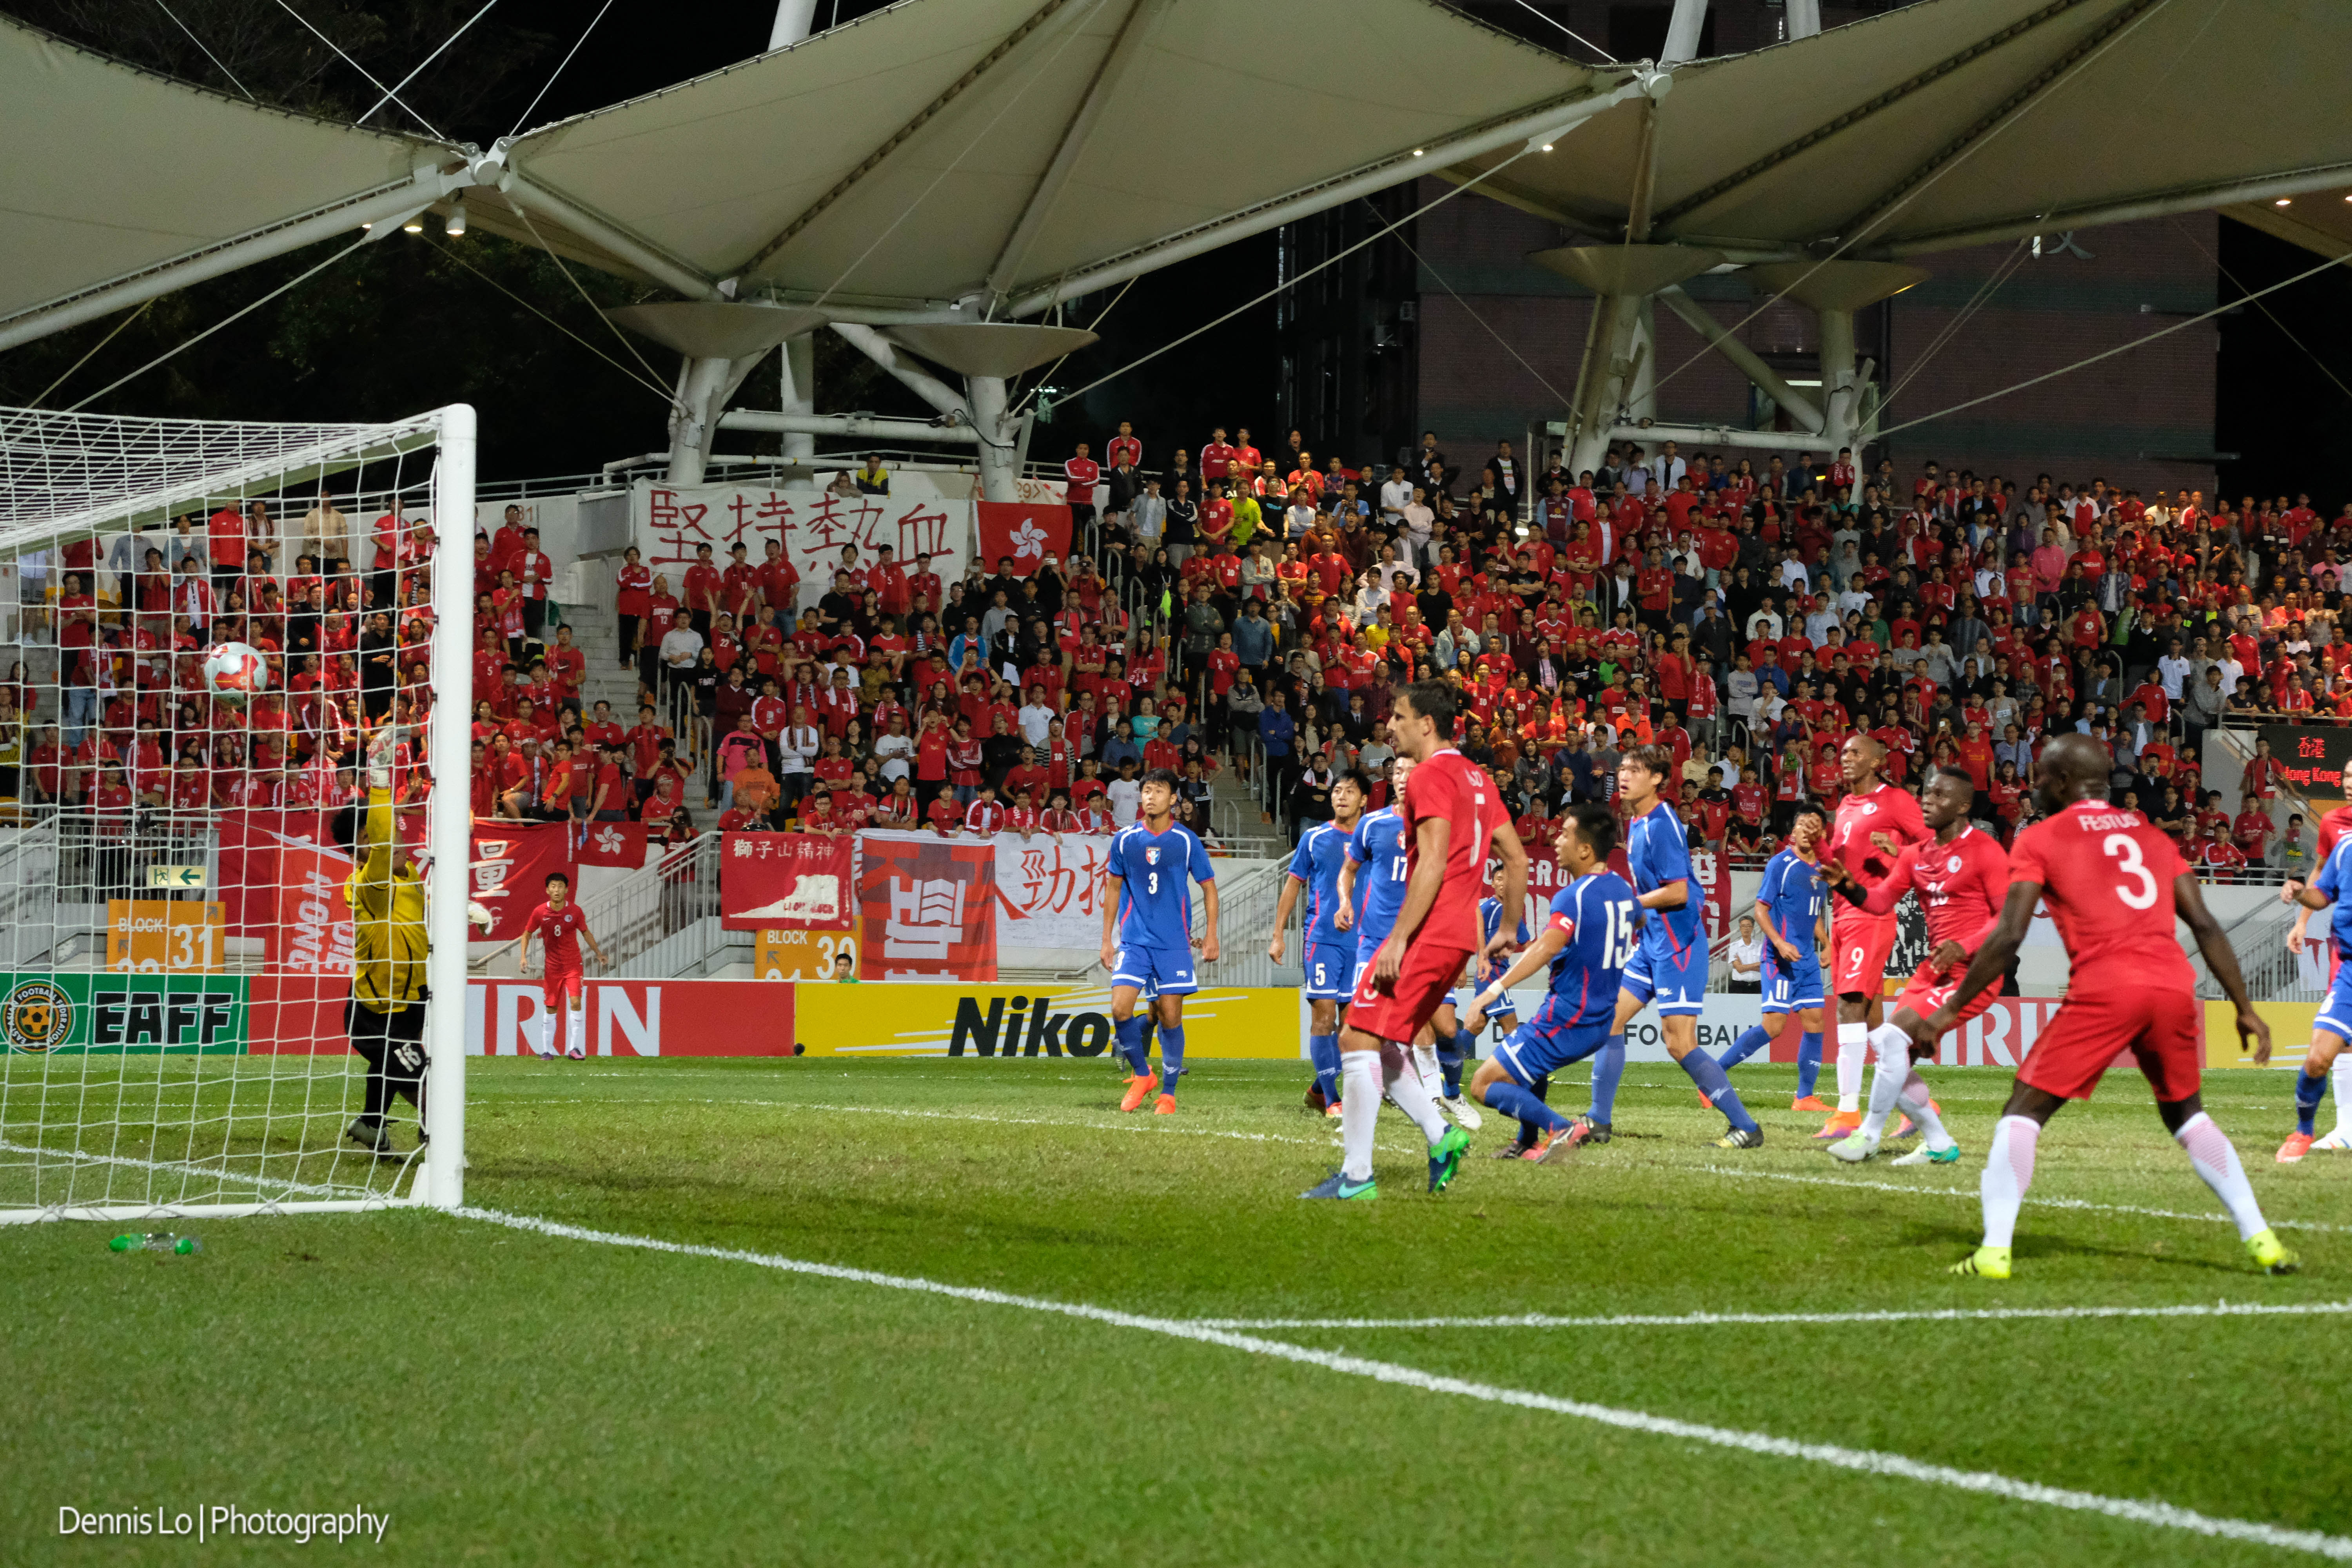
(1167, 1106)
(1139, 1090)
(1814, 1105)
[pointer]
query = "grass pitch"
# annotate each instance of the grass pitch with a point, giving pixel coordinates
(511, 1397)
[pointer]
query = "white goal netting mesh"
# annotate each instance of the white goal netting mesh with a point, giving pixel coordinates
(210, 631)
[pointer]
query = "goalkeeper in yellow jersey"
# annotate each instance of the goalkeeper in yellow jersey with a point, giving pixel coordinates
(385, 1014)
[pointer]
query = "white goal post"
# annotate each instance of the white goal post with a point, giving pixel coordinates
(176, 970)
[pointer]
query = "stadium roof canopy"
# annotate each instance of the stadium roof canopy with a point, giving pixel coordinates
(1012, 153)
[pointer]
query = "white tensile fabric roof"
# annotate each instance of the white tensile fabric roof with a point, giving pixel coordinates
(1954, 121)
(112, 169)
(1024, 151)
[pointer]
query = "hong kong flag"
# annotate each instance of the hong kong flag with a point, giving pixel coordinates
(1026, 532)
(621, 843)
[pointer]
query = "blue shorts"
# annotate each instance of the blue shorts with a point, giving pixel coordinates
(1538, 1047)
(1788, 989)
(1156, 971)
(1677, 982)
(2335, 1013)
(1331, 971)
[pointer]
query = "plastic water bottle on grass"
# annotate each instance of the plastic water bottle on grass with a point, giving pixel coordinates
(157, 1241)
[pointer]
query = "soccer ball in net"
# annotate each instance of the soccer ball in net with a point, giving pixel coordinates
(234, 669)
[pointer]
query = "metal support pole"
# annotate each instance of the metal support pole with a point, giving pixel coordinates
(800, 395)
(886, 353)
(1000, 440)
(1600, 383)
(1841, 396)
(1804, 18)
(1701, 321)
(693, 425)
(1642, 395)
(449, 823)
(795, 20)
(1683, 29)
(806, 427)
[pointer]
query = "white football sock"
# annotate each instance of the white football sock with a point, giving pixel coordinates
(1913, 1104)
(1891, 1048)
(1411, 1093)
(1424, 1059)
(2217, 1163)
(546, 1022)
(1853, 1049)
(2007, 1171)
(575, 1024)
(1360, 1112)
(2340, 1077)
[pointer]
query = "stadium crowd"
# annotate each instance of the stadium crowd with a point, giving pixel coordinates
(1241, 610)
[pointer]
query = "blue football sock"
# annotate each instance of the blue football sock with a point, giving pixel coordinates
(1129, 1033)
(1323, 1050)
(1607, 1068)
(1541, 1089)
(1449, 1063)
(2308, 1092)
(1172, 1058)
(1512, 1101)
(1706, 1073)
(1746, 1046)
(1808, 1061)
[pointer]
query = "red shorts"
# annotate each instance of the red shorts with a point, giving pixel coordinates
(1424, 983)
(556, 982)
(1862, 944)
(1931, 987)
(2158, 1027)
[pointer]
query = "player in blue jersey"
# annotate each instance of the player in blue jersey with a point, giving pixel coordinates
(1371, 891)
(1793, 904)
(1480, 972)
(1328, 954)
(1670, 967)
(1148, 934)
(1588, 937)
(2333, 1025)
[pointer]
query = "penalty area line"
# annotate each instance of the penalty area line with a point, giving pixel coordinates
(1862, 1460)
(1742, 1320)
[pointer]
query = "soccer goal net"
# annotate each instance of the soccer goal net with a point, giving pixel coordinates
(234, 814)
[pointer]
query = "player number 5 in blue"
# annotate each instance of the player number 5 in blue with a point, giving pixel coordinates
(1319, 977)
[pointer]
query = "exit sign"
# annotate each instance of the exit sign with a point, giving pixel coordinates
(175, 876)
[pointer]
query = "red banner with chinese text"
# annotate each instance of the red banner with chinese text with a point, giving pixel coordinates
(511, 862)
(813, 526)
(927, 907)
(789, 881)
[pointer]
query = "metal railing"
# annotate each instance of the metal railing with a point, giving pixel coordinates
(671, 905)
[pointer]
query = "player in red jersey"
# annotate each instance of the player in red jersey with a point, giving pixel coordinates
(2114, 884)
(1875, 821)
(1450, 816)
(560, 928)
(1962, 876)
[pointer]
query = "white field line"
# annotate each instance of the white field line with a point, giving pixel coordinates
(1144, 1122)
(189, 1167)
(1740, 1319)
(1863, 1460)
(2085, 1203)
